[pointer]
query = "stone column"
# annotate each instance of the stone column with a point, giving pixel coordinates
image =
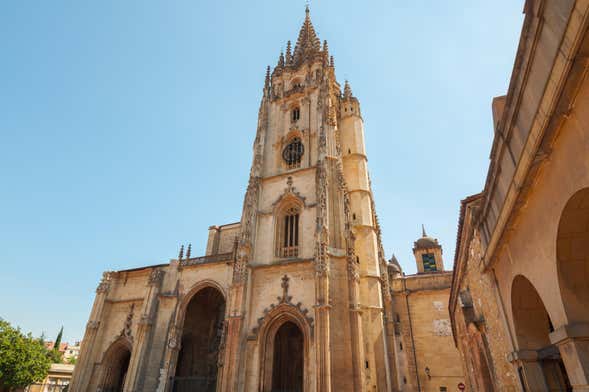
(356, 325)
(138, 359)
(83, 370)
(322, 336)
(228, 380)
(572, 341)
(531, 369)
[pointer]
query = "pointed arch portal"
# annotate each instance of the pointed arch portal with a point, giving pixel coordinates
(287, 366)
(197, 365)
(116, 363)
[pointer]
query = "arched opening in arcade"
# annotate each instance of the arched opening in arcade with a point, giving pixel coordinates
(116, 363)
(197, 366)
(541, 368)
(572, 260)
(572, 254)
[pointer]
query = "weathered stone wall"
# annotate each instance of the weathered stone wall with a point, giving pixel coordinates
(425, 332)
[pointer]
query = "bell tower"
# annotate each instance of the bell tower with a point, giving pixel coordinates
(308, 214)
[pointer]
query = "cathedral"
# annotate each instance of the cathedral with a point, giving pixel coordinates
(297, 295)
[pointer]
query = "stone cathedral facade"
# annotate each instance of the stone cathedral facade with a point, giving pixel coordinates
(297, 295)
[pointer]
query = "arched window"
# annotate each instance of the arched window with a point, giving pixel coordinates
(293, 152)
(295, 114)
(287, 233)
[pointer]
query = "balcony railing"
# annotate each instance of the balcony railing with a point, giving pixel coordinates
(207, 259)
(290, 251)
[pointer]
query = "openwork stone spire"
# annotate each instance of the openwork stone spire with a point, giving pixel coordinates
(308, 44)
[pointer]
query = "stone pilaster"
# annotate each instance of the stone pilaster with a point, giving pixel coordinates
(573, 343)
(138, 359)
(83, 371)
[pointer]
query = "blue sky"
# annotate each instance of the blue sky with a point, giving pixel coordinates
(126, 127)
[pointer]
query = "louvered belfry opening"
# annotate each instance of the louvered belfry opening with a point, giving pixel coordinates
(290, 233)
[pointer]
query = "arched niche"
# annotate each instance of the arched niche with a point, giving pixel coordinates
(572, 254)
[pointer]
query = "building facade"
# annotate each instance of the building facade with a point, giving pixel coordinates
(423, 351)
(519, 304)
(296, 296)
(57, 380)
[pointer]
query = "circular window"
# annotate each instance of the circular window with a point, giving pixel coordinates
(293, 153)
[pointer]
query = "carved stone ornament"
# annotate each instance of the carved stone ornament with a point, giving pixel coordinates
(172, 342)
(104, 284)
(289, 192)
(93, 324)
(283, 301)
(126, 331)
(156, 276)
(442, 327)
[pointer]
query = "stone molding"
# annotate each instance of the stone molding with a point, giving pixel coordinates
(569, 332)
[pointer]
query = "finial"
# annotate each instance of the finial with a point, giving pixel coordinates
(307, 8)
(181, 254)
(347, 90)
(423, 230)
(267, 81)
(188, 251)
(281, 60)
(288, 53)
(331, 62)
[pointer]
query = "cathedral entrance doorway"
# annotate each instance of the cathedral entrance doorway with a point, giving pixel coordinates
(287, 364)
(197, 366)
(116, 364)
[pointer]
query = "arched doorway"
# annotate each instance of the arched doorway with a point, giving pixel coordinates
(572, 255)
(532, 327)
(116, 363)
(287, 361)
(197, 365)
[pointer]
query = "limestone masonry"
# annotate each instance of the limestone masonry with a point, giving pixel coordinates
(298, 295)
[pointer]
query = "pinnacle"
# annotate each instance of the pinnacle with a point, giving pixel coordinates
(347, 90)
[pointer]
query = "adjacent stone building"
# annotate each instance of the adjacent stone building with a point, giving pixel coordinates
(296, 296)
(423, 351)
(520, 293)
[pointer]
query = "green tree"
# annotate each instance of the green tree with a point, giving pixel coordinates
(23, 358)
(58, 339)
(54, 355)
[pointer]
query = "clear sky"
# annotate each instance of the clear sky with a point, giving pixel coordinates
(126, 127)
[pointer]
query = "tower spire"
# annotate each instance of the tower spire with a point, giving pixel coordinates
(423, 234)
(307, 43)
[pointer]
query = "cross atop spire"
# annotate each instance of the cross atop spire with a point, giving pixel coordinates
(308, 43)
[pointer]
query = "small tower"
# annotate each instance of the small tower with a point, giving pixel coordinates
(428, 254)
